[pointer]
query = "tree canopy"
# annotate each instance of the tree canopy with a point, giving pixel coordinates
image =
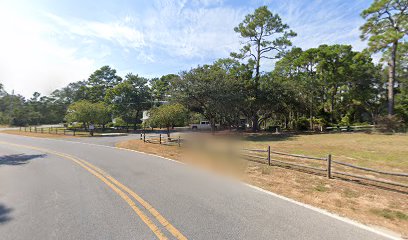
(386, 26)
(304, 89)
(168, 116)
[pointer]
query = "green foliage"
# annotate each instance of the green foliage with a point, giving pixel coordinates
(119, 122)
(386, 26)
(389, 214)
(195, 118)
(266, 32)
(329, 82)
(345, 121)
(129, 98)
(302, 124)
(210, 91)
(168, 116)
(87, 112)
(267, 38)
(320, 86)
(160, 87)
(100, 82)
(386, 23)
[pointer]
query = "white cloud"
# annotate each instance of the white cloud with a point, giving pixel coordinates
(173, 35)
(29, 61)
(117, 32)
(189, 32)
(179, 29)
(324, 22)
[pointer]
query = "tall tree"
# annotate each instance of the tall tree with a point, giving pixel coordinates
(267, 38)
(100, 81)
(73, 92)
(386, 26)
(207, 90)
(401, 100)
(161, 87)
(129, 98)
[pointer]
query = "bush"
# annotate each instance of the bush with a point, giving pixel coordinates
(75, 125)
(320, 122)
(345, 121)
(302, 124)
(390, 124)
(118, 122)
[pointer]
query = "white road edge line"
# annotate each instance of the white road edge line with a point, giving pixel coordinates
(310, 207)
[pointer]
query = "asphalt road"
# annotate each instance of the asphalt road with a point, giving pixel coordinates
(57, 189)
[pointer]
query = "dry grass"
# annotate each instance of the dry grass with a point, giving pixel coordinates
(49, 134)
(366, 204)
(33, 134)
(388, 152)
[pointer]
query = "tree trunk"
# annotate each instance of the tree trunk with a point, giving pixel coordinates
(311, 114)
(257, 76)
(255, 122)
(135, 123)
(168, 132)
(332, 100)
(391, 79)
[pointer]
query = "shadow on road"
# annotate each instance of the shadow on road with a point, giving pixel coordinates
(4, 214)
(18, 159)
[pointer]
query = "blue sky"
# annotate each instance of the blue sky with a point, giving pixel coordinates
(46, 44)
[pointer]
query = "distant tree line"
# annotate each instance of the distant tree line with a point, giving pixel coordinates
(305, 89)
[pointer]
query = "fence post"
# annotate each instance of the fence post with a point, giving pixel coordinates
(56, 131)
(179, 141)
(141, 136)
(74, 131)
(329, 160)
(269, 155)
(160, 137)
(144, 137)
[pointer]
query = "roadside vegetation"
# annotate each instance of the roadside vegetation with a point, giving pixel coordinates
(306, 90)
(367, 204)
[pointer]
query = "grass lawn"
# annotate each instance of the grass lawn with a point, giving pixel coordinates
(387, 152)
(370, 205)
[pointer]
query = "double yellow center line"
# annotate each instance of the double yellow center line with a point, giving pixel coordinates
(121, 190)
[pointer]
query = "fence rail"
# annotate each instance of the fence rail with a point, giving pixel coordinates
(298, 156)
(371, 170)
(54, 130)
(329, 167)
(165, 140)
(261, 156)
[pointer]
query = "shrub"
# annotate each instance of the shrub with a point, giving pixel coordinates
(345, 121)
(302, 124)
(119, 122)
(390, 124)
